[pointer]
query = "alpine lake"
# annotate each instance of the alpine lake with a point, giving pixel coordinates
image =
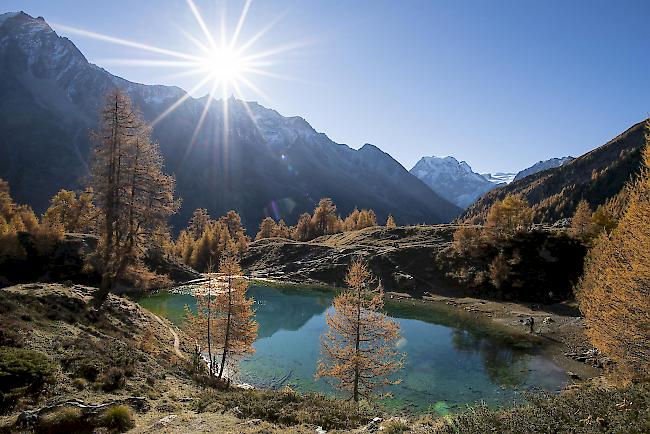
(452, 360)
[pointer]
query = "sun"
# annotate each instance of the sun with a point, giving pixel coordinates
(225, 65)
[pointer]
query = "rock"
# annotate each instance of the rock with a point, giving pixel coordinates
(165, 421)
(573, 375)
(320, 430)
(548, 320)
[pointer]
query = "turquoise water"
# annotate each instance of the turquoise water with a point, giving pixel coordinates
(451, 360)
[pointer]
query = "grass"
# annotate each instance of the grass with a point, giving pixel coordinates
(64, 420)
(118, 418)
(22, 371)
(285, 408)
(588, 409)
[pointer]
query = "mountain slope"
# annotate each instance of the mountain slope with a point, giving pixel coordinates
(452, 180)
(542, 165)
(268, 165)
(595, 176)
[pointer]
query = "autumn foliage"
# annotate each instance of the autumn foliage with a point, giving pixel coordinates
(614, 293)
(206, 240)
(359, 350)
(224, 324)
(134, 195)
(323, 221)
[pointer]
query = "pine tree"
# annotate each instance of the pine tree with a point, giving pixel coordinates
(614, 292)
(358, 350)
(235, 326)
(390, 222)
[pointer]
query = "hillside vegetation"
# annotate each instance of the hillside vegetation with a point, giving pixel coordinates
(555, 193)
(419, 259)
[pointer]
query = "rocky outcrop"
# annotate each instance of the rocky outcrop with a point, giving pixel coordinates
(543, 264)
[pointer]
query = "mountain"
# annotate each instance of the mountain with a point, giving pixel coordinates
(595, 176)
(499, 177)
(452, 180)
(265, 163)
(543, 165)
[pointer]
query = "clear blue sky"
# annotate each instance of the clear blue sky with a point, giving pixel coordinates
(501, 84)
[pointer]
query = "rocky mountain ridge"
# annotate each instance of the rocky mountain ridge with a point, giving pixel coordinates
(264, 164)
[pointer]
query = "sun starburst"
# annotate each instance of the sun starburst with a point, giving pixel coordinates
(222, 64)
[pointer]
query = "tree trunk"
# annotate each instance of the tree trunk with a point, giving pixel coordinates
(355, 395)
(227, 337)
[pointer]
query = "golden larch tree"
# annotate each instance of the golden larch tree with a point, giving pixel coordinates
(359, 350)
(390, 222)
(614, 292)
(324, 221)
(267, 229)
(281, 230)
(236, 329)
(133, 194)
(74, 213)
(303, 229)
(507, 217)
(582, 224)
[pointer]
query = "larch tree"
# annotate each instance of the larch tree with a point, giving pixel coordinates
(324, 220)
(201, 326)
(359, 350)
(267, 229)
(614, 292)
(507, 217)
(352, 220)
(134, 195)
(199, 222)
(303, 229)
(74, 213)
(282, 230)
(236, 329)
(390, 222)
(582, 224)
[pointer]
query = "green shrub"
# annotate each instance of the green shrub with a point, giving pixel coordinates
(64, 420)
(286, 408)
(22, 372)
(118, 417)
(23, 368)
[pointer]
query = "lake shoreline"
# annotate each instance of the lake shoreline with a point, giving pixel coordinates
(559, 328)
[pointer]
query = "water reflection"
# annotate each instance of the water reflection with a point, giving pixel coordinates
(452, 359)
(282, 309)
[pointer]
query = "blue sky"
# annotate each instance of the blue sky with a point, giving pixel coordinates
(500, 84)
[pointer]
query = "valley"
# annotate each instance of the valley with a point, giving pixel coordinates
(176, 263)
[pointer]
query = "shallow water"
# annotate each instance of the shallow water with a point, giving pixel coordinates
(451, 360)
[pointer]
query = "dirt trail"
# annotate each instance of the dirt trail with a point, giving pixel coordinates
(177, 341)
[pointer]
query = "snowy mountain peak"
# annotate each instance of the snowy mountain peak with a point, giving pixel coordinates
(499, 177)
(456, 181)
(543, 165)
